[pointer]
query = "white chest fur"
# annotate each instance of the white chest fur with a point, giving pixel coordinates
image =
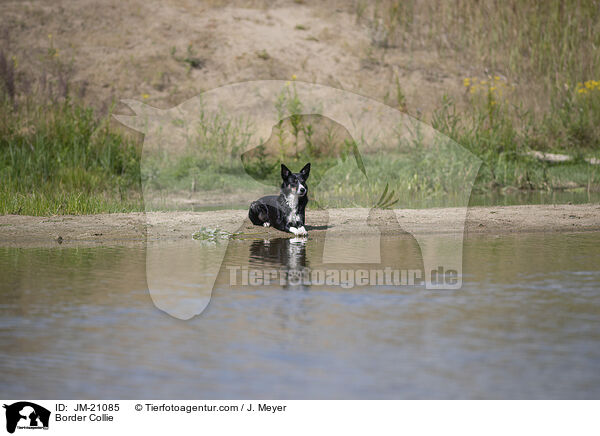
(292, 202)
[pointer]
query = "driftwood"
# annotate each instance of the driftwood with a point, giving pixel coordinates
(557, 158)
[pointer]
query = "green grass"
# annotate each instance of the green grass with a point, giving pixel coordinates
(60, 158)
(501, 134)
(58, 203)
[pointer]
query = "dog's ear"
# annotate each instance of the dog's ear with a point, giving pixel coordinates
(304, 172)
(285, 172)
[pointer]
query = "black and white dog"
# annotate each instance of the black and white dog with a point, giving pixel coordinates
(286, 211)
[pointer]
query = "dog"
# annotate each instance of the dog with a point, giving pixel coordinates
(285, 211)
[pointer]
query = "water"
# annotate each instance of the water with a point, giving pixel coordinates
(80, 323)
(574, 196)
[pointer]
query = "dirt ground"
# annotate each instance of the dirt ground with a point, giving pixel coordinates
(135, 228)
(165, 52)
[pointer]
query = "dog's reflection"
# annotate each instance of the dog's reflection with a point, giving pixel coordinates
(287, 255)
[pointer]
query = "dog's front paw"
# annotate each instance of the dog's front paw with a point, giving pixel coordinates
(266, 224)
(298, 231)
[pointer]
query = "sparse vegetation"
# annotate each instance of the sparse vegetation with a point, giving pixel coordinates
(191, 59)
(546, 53)
(262, 54)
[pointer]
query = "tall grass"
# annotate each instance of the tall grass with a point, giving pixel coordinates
(545, 50)
(553, 42)
(61, 158)
(56, 155)
(537, 87)
(501, 135)
(209, 161)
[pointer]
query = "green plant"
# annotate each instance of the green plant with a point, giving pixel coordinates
(262, 54)
(191, 59)
(60, 158)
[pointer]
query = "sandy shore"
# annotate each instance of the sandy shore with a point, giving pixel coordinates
(134, 228)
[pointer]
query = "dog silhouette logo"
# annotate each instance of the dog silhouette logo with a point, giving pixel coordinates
(238, 127)
(26, 415)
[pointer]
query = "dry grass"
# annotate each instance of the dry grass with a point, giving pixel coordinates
(549, 45)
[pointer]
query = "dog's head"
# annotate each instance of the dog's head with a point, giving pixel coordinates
(295, 183)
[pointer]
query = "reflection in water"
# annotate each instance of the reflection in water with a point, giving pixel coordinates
(287, 255)
(79, 322)
(181, 275)
(300, 263)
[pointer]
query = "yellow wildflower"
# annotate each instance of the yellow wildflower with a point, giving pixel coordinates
(294, 77)
(467, 82)
(145, 96)
(587, 86)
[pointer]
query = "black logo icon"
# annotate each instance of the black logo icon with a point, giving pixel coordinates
(24, 414)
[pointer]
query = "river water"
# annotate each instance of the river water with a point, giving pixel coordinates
(81, 323)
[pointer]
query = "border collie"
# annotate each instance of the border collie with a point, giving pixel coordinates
(285, 212)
